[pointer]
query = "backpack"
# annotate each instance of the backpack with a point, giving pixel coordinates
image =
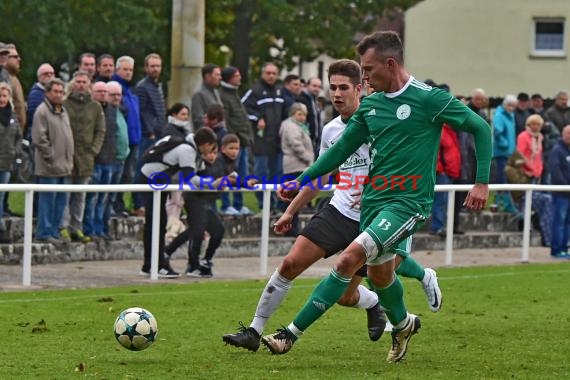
(156, 152)
(23, 165)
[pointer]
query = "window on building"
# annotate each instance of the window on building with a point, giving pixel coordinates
(549, 38)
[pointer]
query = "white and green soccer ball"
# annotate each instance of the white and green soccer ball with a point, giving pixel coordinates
(135, 328)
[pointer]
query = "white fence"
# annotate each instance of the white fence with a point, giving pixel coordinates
(29, 190)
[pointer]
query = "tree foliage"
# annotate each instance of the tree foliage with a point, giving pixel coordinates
(58, 31)
(255, 31)
(283, 31)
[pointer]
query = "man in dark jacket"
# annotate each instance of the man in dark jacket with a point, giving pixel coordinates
(95, 203)
(309, 97)
(238, 124)
(265, 106)
(559, 167)
(151, 101)
(36, 96)
(152, 114)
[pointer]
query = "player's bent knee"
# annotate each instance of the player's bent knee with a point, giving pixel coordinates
(350, 260)
(381, 275)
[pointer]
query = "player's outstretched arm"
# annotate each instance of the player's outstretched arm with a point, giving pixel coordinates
(474, 124)
(482, 134)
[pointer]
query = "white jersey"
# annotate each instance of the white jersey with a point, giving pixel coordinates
(356, 165)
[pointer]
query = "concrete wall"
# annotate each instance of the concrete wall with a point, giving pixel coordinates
(484, 43)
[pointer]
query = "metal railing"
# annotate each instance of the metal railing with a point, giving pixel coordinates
(29, 190)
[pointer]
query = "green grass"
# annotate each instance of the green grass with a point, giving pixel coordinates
(496, 323)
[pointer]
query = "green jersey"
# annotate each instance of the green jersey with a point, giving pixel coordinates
(403, 130)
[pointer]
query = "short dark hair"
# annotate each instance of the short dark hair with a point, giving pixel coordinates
(105, 56)
(54, 82)
(205, 135)
(290, 78)
(230, 138)
(523, 96)
(208, 68)
(536, 96)
(347, 68)
(384, 43)
(215, 111)
(176, 108)
(90, 55)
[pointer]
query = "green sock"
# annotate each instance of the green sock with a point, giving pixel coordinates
(392, 300)
(326, 294)
(410, 268)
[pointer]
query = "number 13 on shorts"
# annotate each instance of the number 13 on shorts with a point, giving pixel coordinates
(384, 224)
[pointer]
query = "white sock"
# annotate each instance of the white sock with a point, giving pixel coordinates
(367, 299)
(403, 323)
(276, 289)
(295, 330)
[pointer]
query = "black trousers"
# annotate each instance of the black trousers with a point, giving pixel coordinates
(201, 217)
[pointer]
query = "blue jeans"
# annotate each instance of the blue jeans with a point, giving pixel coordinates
(144, 145)
(560, 223)
(116, 175)
(268, 170)
(499, 164)
(4, 178)
(95, 203)
(128, 176)
(439, 208)
(50, 208)
(242, 169)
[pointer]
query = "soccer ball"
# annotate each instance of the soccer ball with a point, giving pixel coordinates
(135, 328)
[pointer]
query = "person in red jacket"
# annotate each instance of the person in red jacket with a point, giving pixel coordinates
(448, 169)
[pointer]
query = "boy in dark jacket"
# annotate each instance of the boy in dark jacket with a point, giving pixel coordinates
(201, 208)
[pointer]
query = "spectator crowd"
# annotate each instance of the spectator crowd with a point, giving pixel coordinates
(96, 128)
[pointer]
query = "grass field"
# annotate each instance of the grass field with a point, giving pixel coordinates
(496, 323)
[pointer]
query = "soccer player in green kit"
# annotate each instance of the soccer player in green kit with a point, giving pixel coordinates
(402, 122)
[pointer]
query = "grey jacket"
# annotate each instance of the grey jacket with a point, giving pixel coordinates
(53, 141)
(201, 100)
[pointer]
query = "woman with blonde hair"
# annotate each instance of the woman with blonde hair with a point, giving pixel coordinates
(529, 144)
(11, 135)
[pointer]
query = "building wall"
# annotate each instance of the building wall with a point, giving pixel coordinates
(485, 43)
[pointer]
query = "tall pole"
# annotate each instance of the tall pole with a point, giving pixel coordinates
(187, 52)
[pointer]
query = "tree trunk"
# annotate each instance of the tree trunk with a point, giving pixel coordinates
(242, 39)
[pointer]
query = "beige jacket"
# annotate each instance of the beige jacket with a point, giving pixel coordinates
(297, 147)
(52, 139)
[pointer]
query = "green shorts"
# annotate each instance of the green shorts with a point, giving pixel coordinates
(389, 232)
